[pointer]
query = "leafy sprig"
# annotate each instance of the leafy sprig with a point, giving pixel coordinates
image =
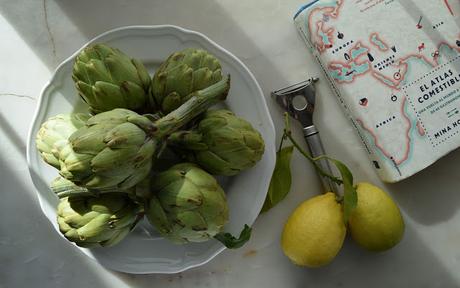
(281, 181)
(231, 241)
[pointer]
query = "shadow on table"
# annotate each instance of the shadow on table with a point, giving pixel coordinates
(37, 22)
(33, 25)
(30, 248)
(406, 265)
(95, 17)
(13, 136)
(410, 264)
(426, 197)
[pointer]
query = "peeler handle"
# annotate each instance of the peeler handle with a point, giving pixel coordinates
(316, 148)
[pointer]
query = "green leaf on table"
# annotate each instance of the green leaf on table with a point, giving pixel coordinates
(231, 241)
(350, 197)
(281, 181)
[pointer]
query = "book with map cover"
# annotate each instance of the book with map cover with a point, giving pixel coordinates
(395, 67)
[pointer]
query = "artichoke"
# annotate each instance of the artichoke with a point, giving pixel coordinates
(222, 143)
(106, 79)
(181, 74)
(187, 204)
(97, 221)
(115, 149)
(53, 135)
(112, 150)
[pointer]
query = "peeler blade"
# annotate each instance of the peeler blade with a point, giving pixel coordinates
(298, 100)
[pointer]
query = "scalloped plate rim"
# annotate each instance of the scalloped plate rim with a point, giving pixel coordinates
(43, 101)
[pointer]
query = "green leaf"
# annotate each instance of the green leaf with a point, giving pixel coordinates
(231, 241)
(350, 197)
(280, 184)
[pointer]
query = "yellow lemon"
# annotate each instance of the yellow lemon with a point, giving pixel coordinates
(314, 233)
(376, 223)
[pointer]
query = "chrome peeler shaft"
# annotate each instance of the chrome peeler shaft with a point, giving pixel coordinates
(316, 148)
(299, 101)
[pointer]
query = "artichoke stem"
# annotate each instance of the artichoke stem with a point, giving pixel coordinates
(76, 193)
(199, 102)
(68, 189)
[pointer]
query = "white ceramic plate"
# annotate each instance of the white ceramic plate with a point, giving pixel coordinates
(143, 251)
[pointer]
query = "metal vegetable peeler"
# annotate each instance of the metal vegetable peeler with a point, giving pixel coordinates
(299, 101)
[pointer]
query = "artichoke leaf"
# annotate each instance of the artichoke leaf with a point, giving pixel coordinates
(231, 241)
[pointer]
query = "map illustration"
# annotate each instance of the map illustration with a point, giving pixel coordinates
(396, 67)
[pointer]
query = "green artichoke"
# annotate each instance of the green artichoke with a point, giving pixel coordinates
(106, 79)
(97, 221)
(115, 149)
(53, 135)
(181, 74)
(187, 204)
(222, 143)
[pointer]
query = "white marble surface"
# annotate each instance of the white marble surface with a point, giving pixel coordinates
(38, 34)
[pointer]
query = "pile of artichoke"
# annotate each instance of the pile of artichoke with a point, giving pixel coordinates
(115, 164)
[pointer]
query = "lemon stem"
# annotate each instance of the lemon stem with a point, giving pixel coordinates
(287, 134)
